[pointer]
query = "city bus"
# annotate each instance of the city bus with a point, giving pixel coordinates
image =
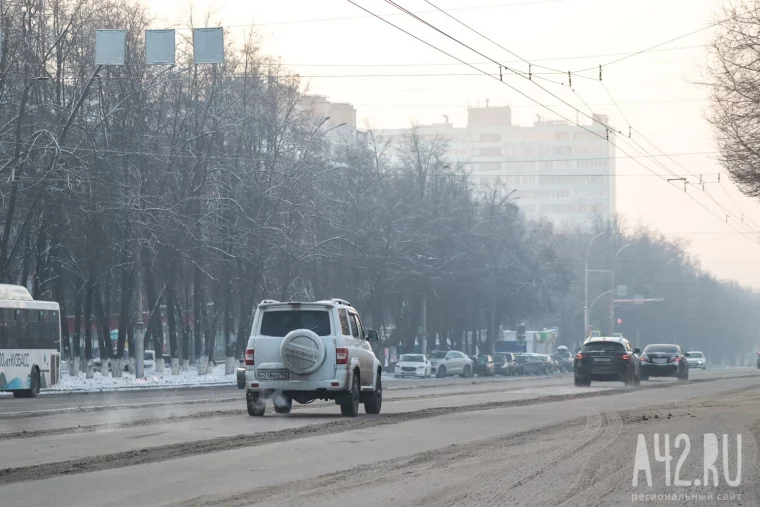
(30, 342)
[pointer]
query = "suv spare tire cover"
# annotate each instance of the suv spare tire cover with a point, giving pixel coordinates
(302, 351)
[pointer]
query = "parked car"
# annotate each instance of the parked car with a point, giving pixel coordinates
(608, 358)
(664, 360)
(758, 360)
(552, 366)
(484, 366)
(241, 373)
(563, 363)
(696, 359)
(504, 363)
(526, 364)
(448, 363)
(309, 351)
(413, 365)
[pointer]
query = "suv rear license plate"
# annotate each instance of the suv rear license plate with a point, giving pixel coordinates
(660, 361)
(601, 359)
(273, 375)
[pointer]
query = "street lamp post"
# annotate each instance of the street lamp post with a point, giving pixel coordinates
(585, 292)
(612, 300)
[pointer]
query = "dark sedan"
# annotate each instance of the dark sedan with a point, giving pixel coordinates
(607, 359)
(504, 363)
(529, 363)
(664, 360)
(484, 366)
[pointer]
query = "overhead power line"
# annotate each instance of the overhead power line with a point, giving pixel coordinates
(453, 64)
(608, 129)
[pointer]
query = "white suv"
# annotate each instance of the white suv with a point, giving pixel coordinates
(311, 351)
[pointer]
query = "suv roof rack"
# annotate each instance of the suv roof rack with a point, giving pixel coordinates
(269, 301)
(340, 301)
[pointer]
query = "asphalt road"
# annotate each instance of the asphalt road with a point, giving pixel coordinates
(494, 441)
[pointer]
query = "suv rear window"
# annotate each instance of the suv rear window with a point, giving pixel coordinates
(280, 323)
(603, 347)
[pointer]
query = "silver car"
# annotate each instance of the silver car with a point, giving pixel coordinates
(448, 363)
(696, 359)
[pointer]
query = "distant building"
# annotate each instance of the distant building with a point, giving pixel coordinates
(559, 170)
(339, 118)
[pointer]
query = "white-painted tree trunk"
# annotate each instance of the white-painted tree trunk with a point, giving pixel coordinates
(185, 365)
(74, 367)
(104, 366)
(132, 363)
(201, 365)
(229, 366)
(90, 372)
(175, 366)
(117, 369)
(159, 367)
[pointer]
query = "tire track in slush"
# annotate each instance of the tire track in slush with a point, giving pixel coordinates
(453, 459)
(456, 495)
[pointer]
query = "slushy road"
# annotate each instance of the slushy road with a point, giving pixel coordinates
(493, 441)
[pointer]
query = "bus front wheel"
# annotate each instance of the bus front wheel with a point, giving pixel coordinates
(35, 389)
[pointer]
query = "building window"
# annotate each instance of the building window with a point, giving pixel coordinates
(488, 152)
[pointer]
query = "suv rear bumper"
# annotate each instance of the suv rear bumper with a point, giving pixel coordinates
(341, 383)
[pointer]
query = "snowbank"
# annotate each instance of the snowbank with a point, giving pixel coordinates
(151, 380)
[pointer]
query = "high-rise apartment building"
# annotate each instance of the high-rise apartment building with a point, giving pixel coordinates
(560, 171)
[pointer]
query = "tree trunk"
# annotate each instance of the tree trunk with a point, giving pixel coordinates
(185, 328)
(40, 264)
(171, 311)
(77, 332)
(104, 334)
(89, 294)
(198, 306)
(244, 323)
(125, 314)
(155, 327)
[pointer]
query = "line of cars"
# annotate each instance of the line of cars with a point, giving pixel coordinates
(616, 359)
(448, 363)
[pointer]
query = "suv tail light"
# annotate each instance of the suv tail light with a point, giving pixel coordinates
(674, 359)
(626, 357)
(579, 356)
(341, 355)
(249, 357)
(644, 359)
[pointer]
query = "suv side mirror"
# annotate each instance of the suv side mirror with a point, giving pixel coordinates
(686, 354)
(372, 336)
(637, 352)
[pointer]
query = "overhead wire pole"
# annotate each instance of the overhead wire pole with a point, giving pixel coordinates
(612, 276)
(585, 284)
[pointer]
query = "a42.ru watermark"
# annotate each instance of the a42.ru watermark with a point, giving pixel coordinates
(664, 452)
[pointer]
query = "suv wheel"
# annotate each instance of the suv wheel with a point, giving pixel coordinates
(351, 409)
(467, 372)
(375, 400)
(256, 405)
(283, 404)
(440, 372)
(582, 381)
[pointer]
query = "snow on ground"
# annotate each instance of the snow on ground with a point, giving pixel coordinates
(151, 380)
